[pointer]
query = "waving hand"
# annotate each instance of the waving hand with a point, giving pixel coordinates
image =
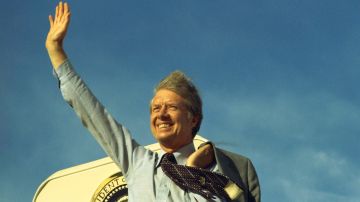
(58, 28)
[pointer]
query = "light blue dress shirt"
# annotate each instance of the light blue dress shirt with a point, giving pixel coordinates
(145, 178)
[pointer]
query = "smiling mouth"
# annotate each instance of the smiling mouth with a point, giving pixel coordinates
(164, 125)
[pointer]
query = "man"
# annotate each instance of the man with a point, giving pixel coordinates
(175, 118)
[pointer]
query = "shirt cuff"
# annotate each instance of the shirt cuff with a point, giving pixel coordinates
(64, 70)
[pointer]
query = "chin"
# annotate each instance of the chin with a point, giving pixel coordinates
(165, 138)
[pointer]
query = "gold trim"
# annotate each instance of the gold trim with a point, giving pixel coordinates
(110, 189)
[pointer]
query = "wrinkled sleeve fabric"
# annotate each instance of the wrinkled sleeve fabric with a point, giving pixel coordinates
(114, 138)
(253, 183)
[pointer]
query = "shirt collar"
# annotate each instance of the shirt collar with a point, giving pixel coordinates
(181, 154)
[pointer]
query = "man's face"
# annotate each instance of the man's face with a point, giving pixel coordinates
(170, 121)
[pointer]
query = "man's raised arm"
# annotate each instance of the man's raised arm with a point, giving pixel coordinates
(58, 28)
(108, 132)
(111, 135)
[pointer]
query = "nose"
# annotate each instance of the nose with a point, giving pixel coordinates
(163, 111)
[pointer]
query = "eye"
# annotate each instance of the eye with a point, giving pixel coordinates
(155, 108)
(173, 107)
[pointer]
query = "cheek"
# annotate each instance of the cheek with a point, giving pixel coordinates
(152, 122)
(185, 121)
(152, 127)
(152, 118)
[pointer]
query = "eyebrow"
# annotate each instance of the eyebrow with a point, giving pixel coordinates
(166, 103)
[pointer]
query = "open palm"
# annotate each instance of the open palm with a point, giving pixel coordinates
(58, 25)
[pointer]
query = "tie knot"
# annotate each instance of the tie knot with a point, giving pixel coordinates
(168, 158)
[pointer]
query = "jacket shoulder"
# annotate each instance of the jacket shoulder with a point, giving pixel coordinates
(240, 169)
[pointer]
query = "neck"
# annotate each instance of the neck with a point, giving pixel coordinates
(172, 148)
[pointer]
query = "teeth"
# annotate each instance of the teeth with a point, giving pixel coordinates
(164, 125)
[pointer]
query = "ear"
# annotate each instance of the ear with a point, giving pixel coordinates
(194, 121)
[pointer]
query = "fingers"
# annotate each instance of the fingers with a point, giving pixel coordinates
(66, 8)
(61, 10)
(67, 18)
(66, 14)
(51, 20)
(201, 158)
(56, 13)
(62, 13)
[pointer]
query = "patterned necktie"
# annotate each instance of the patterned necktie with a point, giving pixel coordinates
(203, 182)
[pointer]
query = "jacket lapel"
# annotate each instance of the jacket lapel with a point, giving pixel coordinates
(227, 167)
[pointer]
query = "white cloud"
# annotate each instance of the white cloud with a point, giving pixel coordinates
(301, 193)
(329, 177)
(333, 165)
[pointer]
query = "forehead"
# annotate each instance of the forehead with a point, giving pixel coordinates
(164, 96)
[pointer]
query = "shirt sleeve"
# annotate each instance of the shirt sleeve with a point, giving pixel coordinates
(114, 138)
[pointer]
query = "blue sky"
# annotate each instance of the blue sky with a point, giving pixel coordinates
(279, 81)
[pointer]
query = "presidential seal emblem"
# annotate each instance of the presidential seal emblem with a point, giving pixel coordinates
(112, 189)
